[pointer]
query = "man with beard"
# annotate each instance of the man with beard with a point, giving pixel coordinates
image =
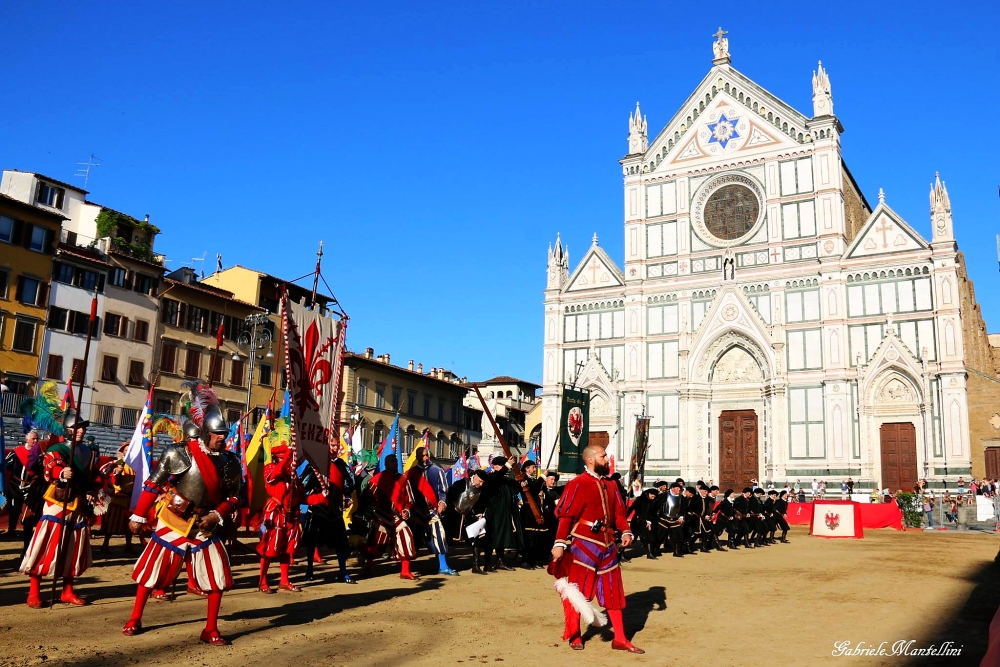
(590, 512)
(743, 520)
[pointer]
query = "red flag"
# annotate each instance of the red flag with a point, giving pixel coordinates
(218, 337)
(67, 399)
(93, 309)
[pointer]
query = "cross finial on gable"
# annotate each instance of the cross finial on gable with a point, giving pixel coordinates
(595, 238)
(721, 48)
(881, 196)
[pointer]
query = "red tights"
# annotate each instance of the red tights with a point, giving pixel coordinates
(214, 604)
(572, 630)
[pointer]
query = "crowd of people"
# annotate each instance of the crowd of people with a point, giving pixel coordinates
(508, 515)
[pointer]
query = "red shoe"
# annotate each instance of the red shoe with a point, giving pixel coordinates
(576, 643)
(162, 596)
(626, 646)
(288, 586)
(409, 575)
(73, 599)
(266, 590)
(214, 638)
(131, 628)
(194, 590)
(34, 602)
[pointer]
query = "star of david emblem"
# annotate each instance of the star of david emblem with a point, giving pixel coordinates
(723, 130)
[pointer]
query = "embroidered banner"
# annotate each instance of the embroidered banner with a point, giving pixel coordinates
(312, 361)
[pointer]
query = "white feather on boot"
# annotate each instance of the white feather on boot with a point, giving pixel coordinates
(590, 615)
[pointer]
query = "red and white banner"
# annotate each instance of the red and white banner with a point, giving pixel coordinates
(312, 359)
(836, 518)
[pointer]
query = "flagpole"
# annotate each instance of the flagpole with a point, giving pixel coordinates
(66, 527)
(215, 354)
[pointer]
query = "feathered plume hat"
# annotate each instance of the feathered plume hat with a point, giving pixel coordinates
(201, 404)
(43, 411)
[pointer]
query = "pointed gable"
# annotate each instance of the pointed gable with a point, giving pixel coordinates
(731, 311)
(884, 233)
(726, 115)
(596, 271)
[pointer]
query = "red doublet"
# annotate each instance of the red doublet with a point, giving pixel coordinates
(594, 564)
(280, 526)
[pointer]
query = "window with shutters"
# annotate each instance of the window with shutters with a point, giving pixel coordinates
(4, 280)
(411, 403)
(39, 236)
(144, 284)
(141, 331)
(427, 407)
(57, 318)
(63, 273)
(171, 310)
(77, 322)
(109, 369)
(6, 229)
(54, 367)
(136, 373)
(266, 375)
(238, 371)
(28, 290)
(215, 371)
(379, 395)
(129, 417)
(362, 392)
(164, 406)
(233, 416)
(440, 411)
(49, 195)
(115, 325)
(197, 319)
(119, 277)
(24, 335)
(192, 363)
(86, 279)
(76, 376)
(168, 358)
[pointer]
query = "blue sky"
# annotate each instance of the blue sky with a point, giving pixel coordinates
(438, 149)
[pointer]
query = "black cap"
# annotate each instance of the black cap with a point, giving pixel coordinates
(481, 474)
(528, 464)
(714, 488)
(552, 473)
(758, 491)
(498, 461)
(728, 493)
(690, 489)
(660, 482)
(747, 489)
(676, 485)
(772, 492)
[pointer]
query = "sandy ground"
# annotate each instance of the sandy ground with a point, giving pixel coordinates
(786, 604)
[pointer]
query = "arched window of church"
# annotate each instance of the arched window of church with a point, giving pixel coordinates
(946, 291)
(949, 338)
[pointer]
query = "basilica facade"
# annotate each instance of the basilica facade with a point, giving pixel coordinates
(771, 321)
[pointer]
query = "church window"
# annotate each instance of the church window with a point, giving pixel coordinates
(662, 319)
(805, 350)
(572, 360)
(806, 423)
(802, 306)
(762, 302)
(798, 220)
(731, 212)
(865, 339)
(698, 310)
(661, 238)
(661, 360)
(613, 359)
(918, 335)
(664, 441)
(796, 177)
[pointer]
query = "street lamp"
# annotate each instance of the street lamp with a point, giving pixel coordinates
(256, 342)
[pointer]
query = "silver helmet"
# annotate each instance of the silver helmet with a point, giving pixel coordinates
(72, 420)
(214, 422)
(191, 430)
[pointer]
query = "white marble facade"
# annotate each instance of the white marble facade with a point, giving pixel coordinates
(833, 318)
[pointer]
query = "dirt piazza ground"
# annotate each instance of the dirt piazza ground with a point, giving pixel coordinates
(789, 604)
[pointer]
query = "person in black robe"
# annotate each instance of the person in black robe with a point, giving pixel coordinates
(756, 518)
(708, 495)
(743, 521)
(642, 524)
(724, 519)
(769, 520)
(780, 510)
(668, 508)
(498, 502)
(692, 509)
(535, 553)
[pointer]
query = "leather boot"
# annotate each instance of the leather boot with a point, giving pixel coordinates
(476, 569)
(718, 546)
(733, 546)
(704, 544)
(649, 552)
(746, 541)
(783, 540)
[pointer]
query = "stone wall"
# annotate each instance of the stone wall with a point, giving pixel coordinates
(855, 211)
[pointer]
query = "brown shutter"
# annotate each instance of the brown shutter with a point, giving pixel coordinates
(43, 294)
(17, 234)
(19, 291)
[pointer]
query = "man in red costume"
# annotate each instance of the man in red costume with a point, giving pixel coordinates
(279, 528)
(412, 501)
(589, 513)
(73, 482)
(201, 481)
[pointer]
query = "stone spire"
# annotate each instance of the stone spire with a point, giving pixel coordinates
(720, 48)
(822, 97)
(558, 269)
(637, 138)
(941, 211)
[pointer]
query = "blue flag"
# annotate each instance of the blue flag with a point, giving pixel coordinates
(286, 406)
(390, 446)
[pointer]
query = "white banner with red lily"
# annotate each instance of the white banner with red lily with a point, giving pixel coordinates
(313, 343)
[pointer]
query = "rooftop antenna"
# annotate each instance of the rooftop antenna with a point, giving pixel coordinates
(84, 168)
(202, 260)
(218, 263)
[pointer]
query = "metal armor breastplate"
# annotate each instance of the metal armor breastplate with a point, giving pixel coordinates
(673, 506)
(191, 484)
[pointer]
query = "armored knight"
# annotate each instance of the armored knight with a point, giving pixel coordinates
(200, 482)
(73, 480)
